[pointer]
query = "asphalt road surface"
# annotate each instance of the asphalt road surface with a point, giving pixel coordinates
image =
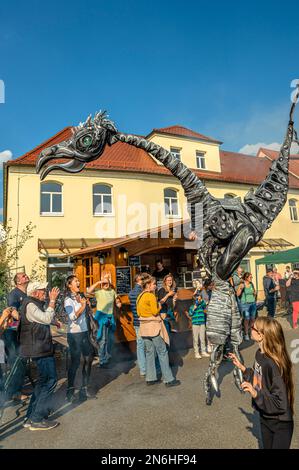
(129, 414)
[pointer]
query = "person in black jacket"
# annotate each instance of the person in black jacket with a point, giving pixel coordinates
(270, 289)
(36, 343)
(271, 383)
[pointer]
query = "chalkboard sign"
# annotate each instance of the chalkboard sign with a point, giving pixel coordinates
(123, 279)
(134, 260)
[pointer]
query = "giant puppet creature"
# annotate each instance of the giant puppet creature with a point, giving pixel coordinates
(228, 229)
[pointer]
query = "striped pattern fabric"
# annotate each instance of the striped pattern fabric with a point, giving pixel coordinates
(198, 312)
(134, 293)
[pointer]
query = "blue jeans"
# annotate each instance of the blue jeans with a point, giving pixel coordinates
(157, 345)
(11, 345)
(18, 366)
(41, 400)
(249, 311)
(140, 350)
(105, 344)
(16, 378)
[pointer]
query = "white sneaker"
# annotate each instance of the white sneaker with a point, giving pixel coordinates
(197, 356)
(205, 354)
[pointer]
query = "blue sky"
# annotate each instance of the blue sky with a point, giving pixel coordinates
(221, 68)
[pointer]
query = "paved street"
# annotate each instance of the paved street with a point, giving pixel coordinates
(129, 414)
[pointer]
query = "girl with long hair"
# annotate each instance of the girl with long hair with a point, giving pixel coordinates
(77, 338)
(271, 383)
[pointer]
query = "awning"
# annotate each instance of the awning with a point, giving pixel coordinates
(64, 245)
(281, 257)
(274, 243)
(170, 231)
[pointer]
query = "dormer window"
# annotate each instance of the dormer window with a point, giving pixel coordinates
(176, 152)
(200, 160)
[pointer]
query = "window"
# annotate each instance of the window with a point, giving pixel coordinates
(102, 199)
(200, 160)
(88, 271)
(51, 199)
(293, 210)
(229, 196)
(175, 152)
(171, 202)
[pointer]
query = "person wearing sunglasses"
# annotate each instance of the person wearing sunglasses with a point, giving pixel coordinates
(270, 383)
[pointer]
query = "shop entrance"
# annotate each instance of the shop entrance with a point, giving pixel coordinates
(180, 262)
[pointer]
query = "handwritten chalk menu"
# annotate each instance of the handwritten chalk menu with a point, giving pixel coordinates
(123, 279)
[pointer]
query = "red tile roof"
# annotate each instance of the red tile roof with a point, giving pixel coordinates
(235, 167)
(183, 132)
(273, 154)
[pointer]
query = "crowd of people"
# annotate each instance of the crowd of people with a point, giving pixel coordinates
(25, 327)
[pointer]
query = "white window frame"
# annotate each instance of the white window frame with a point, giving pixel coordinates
(51, 214)
(103, 214)
(170, 199)
(176, 152)
(201, 157)
(293, 210)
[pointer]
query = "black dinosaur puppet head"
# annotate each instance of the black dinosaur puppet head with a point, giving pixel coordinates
(86, 144)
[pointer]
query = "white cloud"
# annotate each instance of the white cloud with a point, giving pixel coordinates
(5, 155)
(256, 125)
(252, 149)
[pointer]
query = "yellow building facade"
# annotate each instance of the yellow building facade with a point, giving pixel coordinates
(114, 200)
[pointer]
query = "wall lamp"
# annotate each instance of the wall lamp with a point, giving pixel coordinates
(123, 253)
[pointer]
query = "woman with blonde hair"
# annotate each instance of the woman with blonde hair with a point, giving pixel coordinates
(271, 383)
(154, 333)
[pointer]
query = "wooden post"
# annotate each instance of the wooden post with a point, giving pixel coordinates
(79, 272)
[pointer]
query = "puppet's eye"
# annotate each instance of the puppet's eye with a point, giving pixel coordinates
(86, 141)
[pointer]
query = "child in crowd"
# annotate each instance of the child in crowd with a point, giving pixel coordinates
(271, 383)
(197, 314)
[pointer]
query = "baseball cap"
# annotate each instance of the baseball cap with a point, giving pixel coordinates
(36, 285)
